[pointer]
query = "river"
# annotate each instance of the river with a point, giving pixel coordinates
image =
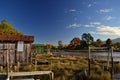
(116, 55)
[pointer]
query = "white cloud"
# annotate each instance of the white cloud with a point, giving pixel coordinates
(107, 30)
(88, 25)
(89, 5)
(92, 24)
(99, 28)
(74, 25)
(105, 10)
(72, 10)
(108, 18)
(95, 23)
(103, 29)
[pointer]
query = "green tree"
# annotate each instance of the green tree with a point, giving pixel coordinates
(99, 43)
(108, 42)
(87, 38)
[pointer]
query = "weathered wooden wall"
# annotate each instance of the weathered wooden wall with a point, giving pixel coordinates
(14, 55)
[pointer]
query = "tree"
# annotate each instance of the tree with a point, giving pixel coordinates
(108, 42)
(60, 45)
(99, 43)
(87, 38)
(75, 43)
(8, 29)
(48, 46)
(3, 22)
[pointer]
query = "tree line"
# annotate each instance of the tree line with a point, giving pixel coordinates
(82, 44)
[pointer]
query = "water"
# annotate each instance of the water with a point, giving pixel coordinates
(94, 53)
(105, 53)
(116, 55)
(116, 76)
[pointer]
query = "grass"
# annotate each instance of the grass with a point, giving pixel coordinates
(100, 75)
(66, 67)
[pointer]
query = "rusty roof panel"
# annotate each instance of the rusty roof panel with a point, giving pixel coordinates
(16, 38)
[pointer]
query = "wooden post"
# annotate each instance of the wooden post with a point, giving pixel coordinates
(108, 59)
(7, 65)
(51, 75)
(112, 64)
(1, 68)
(18, 66)
(15, 52)
(15, 68)
(35, 64)
(51, 65)
(88, 60)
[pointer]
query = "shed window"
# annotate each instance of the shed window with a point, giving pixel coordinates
(20, 46)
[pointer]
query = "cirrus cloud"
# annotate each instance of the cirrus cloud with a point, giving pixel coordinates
(104, 10)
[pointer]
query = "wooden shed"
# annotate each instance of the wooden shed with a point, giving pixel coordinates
(17, 47)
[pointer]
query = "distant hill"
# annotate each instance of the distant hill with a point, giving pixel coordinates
(116, 40)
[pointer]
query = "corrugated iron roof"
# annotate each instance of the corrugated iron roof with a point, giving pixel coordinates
(16, 38)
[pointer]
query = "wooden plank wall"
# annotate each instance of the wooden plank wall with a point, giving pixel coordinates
(24, 56)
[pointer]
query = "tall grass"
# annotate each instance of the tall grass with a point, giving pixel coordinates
(66, 67)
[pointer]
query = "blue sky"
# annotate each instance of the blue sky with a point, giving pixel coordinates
(53, 20)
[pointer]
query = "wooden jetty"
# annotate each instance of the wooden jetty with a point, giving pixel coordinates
(32, 73)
